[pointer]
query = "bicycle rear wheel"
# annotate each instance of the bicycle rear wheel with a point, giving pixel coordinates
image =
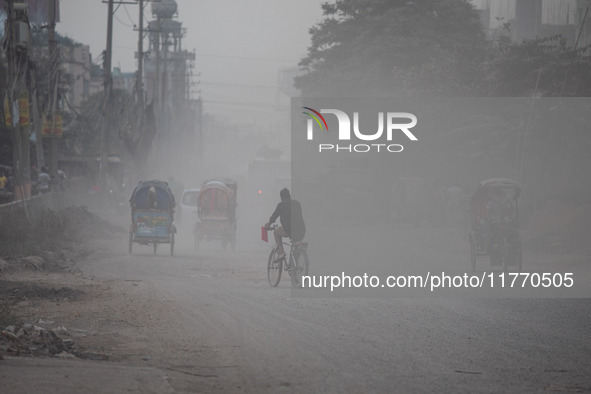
(274, 268)
(301, 265)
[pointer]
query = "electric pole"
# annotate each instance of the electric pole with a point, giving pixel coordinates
(140, 120)
(140, 58)
(17, 48)
(53, 55)
(106, 115)
(156, 93)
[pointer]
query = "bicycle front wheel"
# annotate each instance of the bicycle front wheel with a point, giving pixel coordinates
(274, 268)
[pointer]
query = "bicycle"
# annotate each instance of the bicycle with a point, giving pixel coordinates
(296, 263)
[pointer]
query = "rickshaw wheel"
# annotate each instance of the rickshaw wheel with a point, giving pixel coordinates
(495, 258)
(155, 247)
(473, 251)
(504, 255)
(130, 241)
(172, 244)
(232, 237)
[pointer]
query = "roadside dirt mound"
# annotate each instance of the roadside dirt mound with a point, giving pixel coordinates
(35, 309)
(82, 224)
(33, 339)
(52, 240)
(558, 226)
(19, 291)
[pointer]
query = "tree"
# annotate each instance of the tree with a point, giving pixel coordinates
(544, 67)
(395, 48)
(552, 148)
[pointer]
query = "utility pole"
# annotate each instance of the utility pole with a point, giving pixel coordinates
(164, 118)
(156, 93)
(140, 58)
(53, 55)
(17, 47)
(106, 115)
(140, 120)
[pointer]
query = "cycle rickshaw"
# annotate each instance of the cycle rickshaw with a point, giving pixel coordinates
(495, 224)
(152, 215)
(216, 208)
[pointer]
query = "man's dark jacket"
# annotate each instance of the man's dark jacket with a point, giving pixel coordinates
(290, 215)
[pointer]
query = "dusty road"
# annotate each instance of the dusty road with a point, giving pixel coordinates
(209, 322)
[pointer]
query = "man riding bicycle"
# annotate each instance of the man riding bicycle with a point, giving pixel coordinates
(290, 215)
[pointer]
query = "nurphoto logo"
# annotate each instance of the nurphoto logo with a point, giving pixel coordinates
(396, 123)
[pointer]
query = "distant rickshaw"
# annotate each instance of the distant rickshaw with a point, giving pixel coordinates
(217, 213)
(495, 224)
(152, 215)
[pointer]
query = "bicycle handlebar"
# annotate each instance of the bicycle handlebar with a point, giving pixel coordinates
(272, 227)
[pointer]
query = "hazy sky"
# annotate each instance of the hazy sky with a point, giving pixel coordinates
(239, 42)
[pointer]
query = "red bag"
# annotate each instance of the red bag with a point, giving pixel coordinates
(264, 235)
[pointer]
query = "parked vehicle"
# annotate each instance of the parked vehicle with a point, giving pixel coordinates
(188, 205)
(217, 213)
(495, 224)
(152, 215)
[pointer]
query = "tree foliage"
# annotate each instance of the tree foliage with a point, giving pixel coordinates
(410, 48)
(544, 67)
(394, 48)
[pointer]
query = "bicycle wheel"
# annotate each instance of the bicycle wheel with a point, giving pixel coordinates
(274, 268)
(300, 264)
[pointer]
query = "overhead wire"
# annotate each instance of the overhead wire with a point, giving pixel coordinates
(128, 16)
(246, 58)
(239, 85)
(121, 22)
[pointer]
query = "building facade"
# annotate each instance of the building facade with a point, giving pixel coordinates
(527, 19)
(76, 61)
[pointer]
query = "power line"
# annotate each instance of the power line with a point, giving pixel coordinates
(221, 107)
(128, 16)
(233, 85)
(121, 22)
(224, 110)
(247, 58)
(240, 103)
